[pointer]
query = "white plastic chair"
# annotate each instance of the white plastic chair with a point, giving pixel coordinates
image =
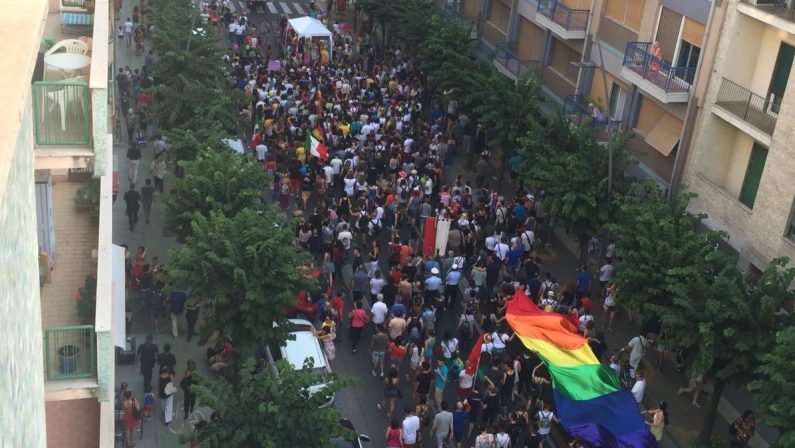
(72, 46)
(65, 95)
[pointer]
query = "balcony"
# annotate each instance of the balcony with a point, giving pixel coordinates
(471, 23)
(575, 107)
(510, 64)
(561, 20)
(70, 91)
(69, 352)
(779, 13)
(746, 110)
(62, 113)
(665, 82)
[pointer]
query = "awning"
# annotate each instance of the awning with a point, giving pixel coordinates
(664, 135)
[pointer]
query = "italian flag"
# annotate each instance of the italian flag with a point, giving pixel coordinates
(314, 147)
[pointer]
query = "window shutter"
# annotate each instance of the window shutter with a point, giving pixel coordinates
(753, 175)
(693, 32)
(668, 32)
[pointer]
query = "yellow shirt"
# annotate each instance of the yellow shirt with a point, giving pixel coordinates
(345, 128)
(300, 153)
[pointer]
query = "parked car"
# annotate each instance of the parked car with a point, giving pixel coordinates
(304, 345)
(343, 442)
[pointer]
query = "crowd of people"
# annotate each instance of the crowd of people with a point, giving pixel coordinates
(359, 148)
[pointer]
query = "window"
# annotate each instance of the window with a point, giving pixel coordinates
(500, 15)
(616, 102)
(753, 175)
(562, 57)
(791, 227)
(688, 58)
(625, 12)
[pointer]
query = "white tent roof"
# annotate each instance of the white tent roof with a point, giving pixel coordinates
(307, 26)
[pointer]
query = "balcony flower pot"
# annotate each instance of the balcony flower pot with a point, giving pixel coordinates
(87, 196)
(86, 298)
(68, 359)
(80, 175)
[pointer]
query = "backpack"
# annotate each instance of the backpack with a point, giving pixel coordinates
(545, 421)
(547, 287)
(404, 194)
(363, 223)
(466, 327)
(414, 334)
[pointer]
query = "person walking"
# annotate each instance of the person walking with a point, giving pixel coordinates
(440, 380)
(410, 427)
(133, 161)
(185, 384)
(158, 170)
(132, 416)
(132, 199)
(442, 426)
(192, 311)
(146, 357)
(660, 421)
(166, 390)
(391, 391)
(147, 197)
(358, 318)
(379, 343)
(167, 359)
(176, 305)
(394, 434)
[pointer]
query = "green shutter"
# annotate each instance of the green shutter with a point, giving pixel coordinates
(778, 82)
(753, 175)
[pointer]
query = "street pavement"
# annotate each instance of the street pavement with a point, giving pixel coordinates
(359, 402)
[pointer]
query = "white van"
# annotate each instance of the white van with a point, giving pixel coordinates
(296, 351)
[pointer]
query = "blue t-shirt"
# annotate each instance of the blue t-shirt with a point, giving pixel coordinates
(515, 163)
(459, 422)
(176, 302)
(520, 212)
(440, 380)
(429, 265)
(583, 279)
(398, 308)
(514, 255)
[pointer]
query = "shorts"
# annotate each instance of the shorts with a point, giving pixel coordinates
(378, 357)
(603, 284)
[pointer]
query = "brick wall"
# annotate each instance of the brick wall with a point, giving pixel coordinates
(73, 423)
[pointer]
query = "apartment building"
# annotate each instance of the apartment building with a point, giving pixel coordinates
(602, 52)
(741, 163)
(57, 369)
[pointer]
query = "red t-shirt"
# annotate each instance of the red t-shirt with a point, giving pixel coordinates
(396, 352)
(586, 304)
(358, 318)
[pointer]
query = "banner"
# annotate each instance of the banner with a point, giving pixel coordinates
(429, 237)
(442, 232)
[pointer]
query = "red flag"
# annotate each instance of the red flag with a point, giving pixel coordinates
(429, 237)
(474, 356)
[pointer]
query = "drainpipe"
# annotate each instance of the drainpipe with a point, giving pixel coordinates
(692, 110)
(586, 49)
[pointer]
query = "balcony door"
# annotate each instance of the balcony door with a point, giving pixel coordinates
(778, 82)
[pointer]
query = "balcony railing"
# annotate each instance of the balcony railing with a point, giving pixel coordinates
(61, 113)
(576, 110)
(516, 66)
(669, 78)
(569, 19)
(69, 352)
(74, 3)
(748, 106)
(781, 8)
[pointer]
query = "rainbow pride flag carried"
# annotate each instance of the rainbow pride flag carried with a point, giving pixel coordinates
(589, 400)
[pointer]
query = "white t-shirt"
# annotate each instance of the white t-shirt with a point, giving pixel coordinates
(499, 340)
(545, 422)
(262, 150)
(379, 311)
(376, 284)
(639, 344)
(491, 242)
(329, 172)
(336, 164)
(411, 425)
(349, 183)
(638, 389)
(605, 272)
(501, 250)
(128, 27)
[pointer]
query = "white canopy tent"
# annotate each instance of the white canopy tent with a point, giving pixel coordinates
(309, 27)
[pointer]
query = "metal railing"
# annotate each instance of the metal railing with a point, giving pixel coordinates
(781, 8)
(576, 111)
(61, 113)
(70, 352)
(508, 59)
(748, 106)
(570, 19)
(658, 71)
(74, 3)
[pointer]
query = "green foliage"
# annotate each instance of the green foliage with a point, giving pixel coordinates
(219, 180)
(262, 411)
(572, 168)
(774, 387)
(88, 193)
(246, 267)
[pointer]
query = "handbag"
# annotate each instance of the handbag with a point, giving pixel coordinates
(136, 410)
(170, 388)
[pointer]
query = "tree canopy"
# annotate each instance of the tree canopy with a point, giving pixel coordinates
(246, 268)
(774, 388)
(267, 412)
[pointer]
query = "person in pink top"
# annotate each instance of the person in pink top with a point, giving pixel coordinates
(394, 435)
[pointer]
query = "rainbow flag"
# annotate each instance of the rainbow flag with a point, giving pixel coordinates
(589, 399)
(319, 132)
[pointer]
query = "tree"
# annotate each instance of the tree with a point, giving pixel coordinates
(568, 164)
(774, 388)
(265, 412)
(219, 180)
(247, 267)
(655, 235)
(721, 319)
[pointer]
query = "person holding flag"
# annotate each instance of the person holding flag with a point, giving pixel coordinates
(315, 147)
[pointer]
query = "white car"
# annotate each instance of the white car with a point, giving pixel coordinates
(296, 351)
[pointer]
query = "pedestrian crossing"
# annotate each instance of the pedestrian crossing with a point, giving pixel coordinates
(270, 7)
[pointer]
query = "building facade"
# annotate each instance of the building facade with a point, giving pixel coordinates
(603, 52)
(57, 373)
(741, 163)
